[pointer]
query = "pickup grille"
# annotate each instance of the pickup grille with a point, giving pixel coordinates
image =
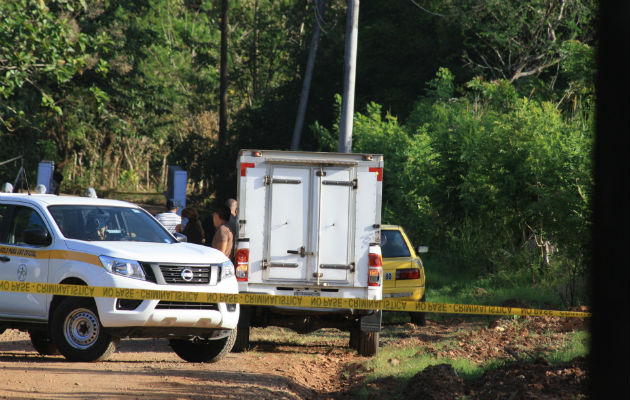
(180, 305)
(179, 274)
(175, 274)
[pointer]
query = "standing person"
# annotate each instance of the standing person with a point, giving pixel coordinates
(223, 239)
(233, 222)
(193, 229)
(170, 219)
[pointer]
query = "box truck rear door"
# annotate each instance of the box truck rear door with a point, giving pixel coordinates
(335, 235)
(287, 250)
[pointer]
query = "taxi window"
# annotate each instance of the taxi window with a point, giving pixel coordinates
(393, 244)
(24, 218)
(104, 223)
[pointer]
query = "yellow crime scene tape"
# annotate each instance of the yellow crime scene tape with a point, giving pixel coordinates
(278, 300)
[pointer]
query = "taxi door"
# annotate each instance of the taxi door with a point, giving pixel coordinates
(21, 262)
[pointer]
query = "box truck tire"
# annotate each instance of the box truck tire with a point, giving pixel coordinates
(368, 343)
(242, 339)
(203, 350)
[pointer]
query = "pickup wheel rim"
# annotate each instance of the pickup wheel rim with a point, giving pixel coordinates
(81, 328)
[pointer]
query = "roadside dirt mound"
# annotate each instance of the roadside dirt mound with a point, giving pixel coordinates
(437, 382)
(537, 380)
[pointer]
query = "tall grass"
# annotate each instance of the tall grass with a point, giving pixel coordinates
(451, 284)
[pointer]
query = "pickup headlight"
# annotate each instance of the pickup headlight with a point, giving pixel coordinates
(120, 266)
(227, 269)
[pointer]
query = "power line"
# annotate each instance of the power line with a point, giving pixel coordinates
(427, 11)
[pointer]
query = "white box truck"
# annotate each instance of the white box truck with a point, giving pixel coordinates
(309, 225)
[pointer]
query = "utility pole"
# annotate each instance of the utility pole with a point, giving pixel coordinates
(223, 74)
(306, 86)
(350, 62)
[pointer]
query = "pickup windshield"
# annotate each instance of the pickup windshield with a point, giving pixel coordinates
(393, 244)
(104, 223)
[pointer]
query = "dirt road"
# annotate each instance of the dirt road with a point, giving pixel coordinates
(284, 365)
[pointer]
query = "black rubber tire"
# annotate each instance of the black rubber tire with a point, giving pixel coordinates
(354, 338)
(43, 344)
(368, 343)
(202, 350)
(78, 333)
(419, 318)
(241, 343)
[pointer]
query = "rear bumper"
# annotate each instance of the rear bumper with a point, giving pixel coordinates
(404, 293)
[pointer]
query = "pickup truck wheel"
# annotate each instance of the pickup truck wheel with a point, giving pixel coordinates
(368, 343)
(419, 318)
(43, 344)
(203, 350)
(78, 333)
(242, 339)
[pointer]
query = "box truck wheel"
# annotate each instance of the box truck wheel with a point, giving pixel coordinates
(242, 339)
(42, 343)
(368, 343)
(203, 350)
(354, 338)
(78, 333)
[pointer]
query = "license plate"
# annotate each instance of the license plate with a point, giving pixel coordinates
(302, 293)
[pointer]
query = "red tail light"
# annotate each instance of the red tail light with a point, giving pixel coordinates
(375, 270)
(375, 260)
(407, 273)
(242, 264)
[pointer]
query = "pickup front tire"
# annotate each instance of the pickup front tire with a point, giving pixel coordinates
(203, 350)
(78, 333)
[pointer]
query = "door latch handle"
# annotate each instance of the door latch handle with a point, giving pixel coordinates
(302, 252)
(4, 259)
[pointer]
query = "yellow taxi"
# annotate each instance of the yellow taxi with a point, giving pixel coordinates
(403, 272)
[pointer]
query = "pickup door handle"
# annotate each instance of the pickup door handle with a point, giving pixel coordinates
(4, 259)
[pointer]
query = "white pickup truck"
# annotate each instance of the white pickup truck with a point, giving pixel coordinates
(309, 225)
(98, 242)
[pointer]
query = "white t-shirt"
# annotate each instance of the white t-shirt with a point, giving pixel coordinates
(170, 220)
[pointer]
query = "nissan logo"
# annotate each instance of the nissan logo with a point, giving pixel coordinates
(187, 275)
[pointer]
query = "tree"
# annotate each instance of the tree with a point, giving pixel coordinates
(516, 39)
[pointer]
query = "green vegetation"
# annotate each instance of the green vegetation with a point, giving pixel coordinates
(485, 118)
(412, 360)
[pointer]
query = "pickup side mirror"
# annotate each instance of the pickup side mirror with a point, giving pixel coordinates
(36, 237)
(422, 249)
(180, 237)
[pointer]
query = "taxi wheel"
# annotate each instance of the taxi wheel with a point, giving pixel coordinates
(419, 318)
(43, 344)
(78, 333)
(203, 350)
